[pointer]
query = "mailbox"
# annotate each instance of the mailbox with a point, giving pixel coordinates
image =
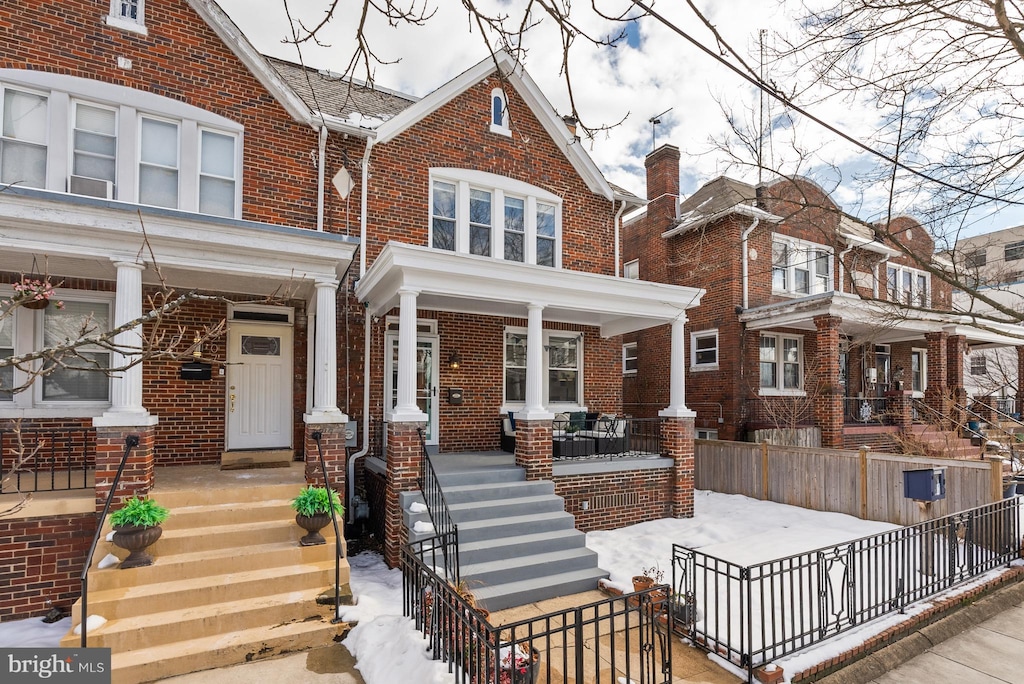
(195, 370)
(351, 434)
(455, 396)
(925, 484)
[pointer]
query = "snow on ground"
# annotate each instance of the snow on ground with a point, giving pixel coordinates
(388, 649)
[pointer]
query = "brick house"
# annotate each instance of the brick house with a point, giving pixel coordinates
(812, 318)
(438, 263)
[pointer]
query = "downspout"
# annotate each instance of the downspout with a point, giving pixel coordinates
(842, 269)
(743, 245)
(874, 287)
(364, 177)
(320, 172)
(618, 247)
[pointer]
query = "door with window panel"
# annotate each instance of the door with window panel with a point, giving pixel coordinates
(426, 381)
(259, 401)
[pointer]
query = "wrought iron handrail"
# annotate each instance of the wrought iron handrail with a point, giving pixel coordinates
(438, 509)
(788, 604)
(921, 406)
(130, 442)
(318, 438)
(1010, 437)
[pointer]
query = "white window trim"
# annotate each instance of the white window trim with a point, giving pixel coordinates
(631, 270)
(924, 372)
(29, 329)
(73, 121)
(178, 169)
(705, 433)
(897, 287)
(47, 143)
(467, 179)
(778, 391)
(796, 245)
(626, 355)
(699, 367)
(236, 163)
(502, 129)
(554, 407)
(115, 19)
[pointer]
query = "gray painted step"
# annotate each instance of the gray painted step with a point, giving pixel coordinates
(505, 508)
(482, 476)
(508, 595)
(497, 490)
(534, 566)
(524, 544)
(477, 530)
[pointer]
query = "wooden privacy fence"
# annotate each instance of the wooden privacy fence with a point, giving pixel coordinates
(861, 483)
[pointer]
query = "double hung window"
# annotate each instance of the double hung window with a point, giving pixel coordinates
(563, 367)
(800, 267)
(907, 285)
(23, 138)
(781, 363)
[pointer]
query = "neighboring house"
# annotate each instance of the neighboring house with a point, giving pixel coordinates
(438, 263)
(993, 265)
(812, 318)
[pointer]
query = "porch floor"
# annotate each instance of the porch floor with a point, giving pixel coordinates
(472, 461)
(199, 477)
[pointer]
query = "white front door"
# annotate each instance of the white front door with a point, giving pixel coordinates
(259, 375)
(426, 380)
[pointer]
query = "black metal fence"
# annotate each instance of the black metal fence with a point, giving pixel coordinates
(440, 514)
(757, 613)
(47, 459)
(626, 638)
(599, 437)
(865, 410)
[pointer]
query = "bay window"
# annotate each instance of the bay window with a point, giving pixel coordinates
(781, 363)
(563, 367)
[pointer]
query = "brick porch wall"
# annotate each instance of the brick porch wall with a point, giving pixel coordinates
(616, 499)
(404, 456)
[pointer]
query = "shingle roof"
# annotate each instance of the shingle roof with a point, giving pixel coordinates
(715, 197)
(330, 94)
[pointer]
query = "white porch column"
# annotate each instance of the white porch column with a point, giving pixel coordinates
(325, 357)
(677, 385)
(126, 385)
(406, 409)
(534, 408)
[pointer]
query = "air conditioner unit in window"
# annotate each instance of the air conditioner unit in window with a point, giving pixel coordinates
(91, 187)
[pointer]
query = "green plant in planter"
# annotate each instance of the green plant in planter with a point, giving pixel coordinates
(137, 526)
(313, 508)
(138, 512)
(317, 501)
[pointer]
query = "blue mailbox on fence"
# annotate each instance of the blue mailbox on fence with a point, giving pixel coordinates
(925, 484)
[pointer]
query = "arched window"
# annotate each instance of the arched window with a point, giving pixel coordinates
(499, 112)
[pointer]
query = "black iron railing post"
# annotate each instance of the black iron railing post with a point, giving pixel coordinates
(318, 437)
(130, 442)
(438, 510)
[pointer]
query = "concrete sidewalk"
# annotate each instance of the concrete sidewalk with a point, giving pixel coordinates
(980, 644)
(328, 665)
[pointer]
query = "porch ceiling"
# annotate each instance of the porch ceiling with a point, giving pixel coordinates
(81, 237)
(882, 322)
(472, 284)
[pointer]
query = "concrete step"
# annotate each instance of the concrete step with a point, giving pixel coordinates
(196, 564)
(201, 496)
(512, 547)
(501, 596)
(200, 516)
(220, 650)
(478, 530)
(537, 565)
(234, 535)
(125, 602)
(497, 490)
(508, 473)
(504, 508)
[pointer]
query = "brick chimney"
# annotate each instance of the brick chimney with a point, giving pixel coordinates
(662, 186)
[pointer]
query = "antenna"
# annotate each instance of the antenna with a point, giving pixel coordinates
(655, 120)
(760, 119)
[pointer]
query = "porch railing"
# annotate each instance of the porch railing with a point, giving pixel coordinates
(338, 546)
(625, 638)
(865, 410)
(606, 438)
(439, 512)
(757, 613)
(47, 459)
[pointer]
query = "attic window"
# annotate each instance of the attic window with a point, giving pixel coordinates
(128, 15)
(499, 112)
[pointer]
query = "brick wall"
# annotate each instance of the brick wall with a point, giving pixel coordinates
(40, 563)
(617, 499)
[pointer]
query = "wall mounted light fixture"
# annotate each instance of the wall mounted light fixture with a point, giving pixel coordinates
(454, 360)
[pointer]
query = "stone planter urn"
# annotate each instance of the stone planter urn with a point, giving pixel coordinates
(136, 539)
(313, 524)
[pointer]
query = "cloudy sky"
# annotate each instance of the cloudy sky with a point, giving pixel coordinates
(654, 71)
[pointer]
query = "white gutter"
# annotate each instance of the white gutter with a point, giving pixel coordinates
(321, 164)
(364, 186)
(743, 246)
(618, 223)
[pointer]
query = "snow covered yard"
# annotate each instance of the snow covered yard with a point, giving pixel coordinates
(741, 530)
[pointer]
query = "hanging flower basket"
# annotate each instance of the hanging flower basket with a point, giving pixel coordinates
(35, 293)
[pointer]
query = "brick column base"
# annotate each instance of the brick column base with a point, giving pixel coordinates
(404, 461)
(137, 476)
(899, 407)
(332, 442)
(533, 448)
(828, 405)
(677, 444)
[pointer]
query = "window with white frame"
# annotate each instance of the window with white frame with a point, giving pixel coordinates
(79, 381)
(475, 212)
(499, 112)
(907, 285)
(563, 367)
(704, 433)
(631, 269)
(979, 363)
(629, 358)
(704, 350)
(800, 267)
(23, 138)
(919, 370)
(781, 363)
(184, 157)
(129, 15)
